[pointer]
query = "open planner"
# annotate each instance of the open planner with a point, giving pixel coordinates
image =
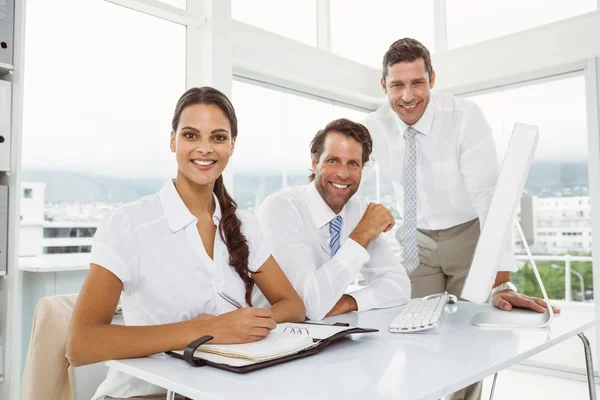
(288, 341)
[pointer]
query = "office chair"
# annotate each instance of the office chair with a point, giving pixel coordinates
(47, 373)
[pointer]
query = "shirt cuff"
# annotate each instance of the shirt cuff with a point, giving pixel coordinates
(365, 299)
(352, 256)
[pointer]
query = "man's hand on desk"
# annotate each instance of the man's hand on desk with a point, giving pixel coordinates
(506, 300)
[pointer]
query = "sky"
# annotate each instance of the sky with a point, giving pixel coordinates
(101, 82)
(557, 108)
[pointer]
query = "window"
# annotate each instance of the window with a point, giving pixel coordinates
(27, 193)
(471, 21)
(293, 19)
(560, 166)
(107, 97)
(69, 232)
(67, 249)
(362, 31)
(273, 146)
(559, 171)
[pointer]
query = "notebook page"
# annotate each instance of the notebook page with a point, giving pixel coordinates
(274, 345)
(315, 331)
(241, 362)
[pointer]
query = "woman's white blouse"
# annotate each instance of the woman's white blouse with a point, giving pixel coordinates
(154, 248)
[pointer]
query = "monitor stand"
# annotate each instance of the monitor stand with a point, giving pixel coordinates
(517, 318)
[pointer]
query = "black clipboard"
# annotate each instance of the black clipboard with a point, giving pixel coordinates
(189, 357)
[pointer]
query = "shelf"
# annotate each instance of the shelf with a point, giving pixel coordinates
(55, 262)
(5, 68)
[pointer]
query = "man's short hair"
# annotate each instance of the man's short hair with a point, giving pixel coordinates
(406, 50)
(347, 128)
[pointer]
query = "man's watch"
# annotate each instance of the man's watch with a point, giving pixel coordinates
(504, 286)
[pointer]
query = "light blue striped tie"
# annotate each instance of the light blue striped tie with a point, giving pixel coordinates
(410, 250)
(335, 227)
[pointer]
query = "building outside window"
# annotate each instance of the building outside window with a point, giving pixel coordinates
(114, 149)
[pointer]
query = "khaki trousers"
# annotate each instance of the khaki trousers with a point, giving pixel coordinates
(445, 256)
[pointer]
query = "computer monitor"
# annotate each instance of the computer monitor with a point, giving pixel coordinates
(497, 230)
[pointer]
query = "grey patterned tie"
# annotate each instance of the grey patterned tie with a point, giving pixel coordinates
(411, 253)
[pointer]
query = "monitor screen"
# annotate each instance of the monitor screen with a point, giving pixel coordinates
(497, 227)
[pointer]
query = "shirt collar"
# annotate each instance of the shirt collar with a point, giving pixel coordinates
(176, 212)
(424, 123)
(319, 210)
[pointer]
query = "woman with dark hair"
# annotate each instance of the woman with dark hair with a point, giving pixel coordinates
(168, 255)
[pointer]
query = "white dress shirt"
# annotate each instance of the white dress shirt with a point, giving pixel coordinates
(457, 167)
(296, 221)
(154, 248)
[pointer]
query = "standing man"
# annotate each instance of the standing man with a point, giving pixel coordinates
(440, 153)
(323, 237)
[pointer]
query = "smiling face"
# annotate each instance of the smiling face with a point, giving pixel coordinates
(407, 86)
(202, 143)
(338, 170)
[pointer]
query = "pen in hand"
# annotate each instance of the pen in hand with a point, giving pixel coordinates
(230, 300)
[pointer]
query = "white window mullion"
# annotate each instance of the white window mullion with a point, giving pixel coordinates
(209, 60)
(193, 16)
(592, 88)
(324, 25)
(441, 33)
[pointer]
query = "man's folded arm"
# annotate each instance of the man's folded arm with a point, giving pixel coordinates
(388, 282)
(319, 288)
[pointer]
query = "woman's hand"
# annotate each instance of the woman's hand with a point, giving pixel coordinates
(240, 326)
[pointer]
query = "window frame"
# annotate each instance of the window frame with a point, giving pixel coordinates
(590, 69)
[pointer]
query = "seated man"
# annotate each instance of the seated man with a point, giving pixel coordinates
(322, 238)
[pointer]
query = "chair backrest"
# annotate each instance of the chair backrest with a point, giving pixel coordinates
(47, 373)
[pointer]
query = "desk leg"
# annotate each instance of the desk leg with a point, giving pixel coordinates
(589, 365)
(170, 395)
(493, 386)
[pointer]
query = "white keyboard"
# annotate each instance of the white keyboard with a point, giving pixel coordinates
(421, 314)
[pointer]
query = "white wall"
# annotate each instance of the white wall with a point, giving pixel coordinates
(32, 209)
(262, 55)
(486, 64)
(30, 240)
(31, 230)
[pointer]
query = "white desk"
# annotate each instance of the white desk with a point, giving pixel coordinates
(55, 262)
(372, 366)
